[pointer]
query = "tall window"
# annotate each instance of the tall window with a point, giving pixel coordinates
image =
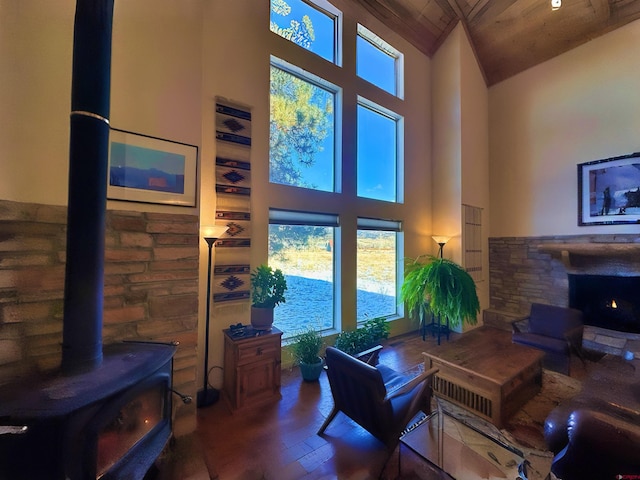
(302, 246)
(301, 134)
(307, 25)
(333, 160)
(378, 62)
(377, 271)
(377, 154)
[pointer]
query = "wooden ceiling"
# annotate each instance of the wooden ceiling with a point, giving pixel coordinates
(509, 36)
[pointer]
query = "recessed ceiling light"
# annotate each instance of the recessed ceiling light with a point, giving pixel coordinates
(556, 4)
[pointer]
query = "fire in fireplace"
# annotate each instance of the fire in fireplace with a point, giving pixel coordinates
(608, 301)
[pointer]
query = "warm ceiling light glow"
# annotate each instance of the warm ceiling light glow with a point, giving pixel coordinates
(556, 4)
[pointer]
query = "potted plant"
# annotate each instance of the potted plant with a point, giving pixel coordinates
(439, 287)
(267, 291)
(363, 338)
(306, 352)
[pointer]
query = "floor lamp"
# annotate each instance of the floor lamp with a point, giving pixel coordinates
(442, 241)
(209, 396)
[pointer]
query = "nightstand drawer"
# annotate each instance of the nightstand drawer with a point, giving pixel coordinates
(258, 350)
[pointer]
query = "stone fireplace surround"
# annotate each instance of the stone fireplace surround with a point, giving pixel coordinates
(150, 293)
(524, 270)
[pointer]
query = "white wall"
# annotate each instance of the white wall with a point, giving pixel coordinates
(460, 145)
(35, 99)
(446, 189)
(155, 90)
(475, 152)
(578, 107)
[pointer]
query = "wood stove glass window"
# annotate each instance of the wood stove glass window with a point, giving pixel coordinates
(132, 422)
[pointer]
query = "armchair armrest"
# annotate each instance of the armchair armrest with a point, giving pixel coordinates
(411, 384)
(520, 324)
(369, 356)
(573, 334)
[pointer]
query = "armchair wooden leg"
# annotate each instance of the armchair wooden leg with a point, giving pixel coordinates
(326, 423)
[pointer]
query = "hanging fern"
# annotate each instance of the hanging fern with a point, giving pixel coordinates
(440, 287)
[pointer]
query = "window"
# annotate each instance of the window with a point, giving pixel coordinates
(377, 154)
(378, 62)
(301, 134)
(302, 246)
(334, 157)
(377, 268)
(305, 25)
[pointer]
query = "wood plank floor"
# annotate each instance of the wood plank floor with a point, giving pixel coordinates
(279, 441)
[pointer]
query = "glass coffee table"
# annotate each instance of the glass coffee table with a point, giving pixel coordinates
(461, 450)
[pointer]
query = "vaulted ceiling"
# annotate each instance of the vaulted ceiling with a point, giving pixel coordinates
(509, 36)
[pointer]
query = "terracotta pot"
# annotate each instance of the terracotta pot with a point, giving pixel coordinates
(261, 318)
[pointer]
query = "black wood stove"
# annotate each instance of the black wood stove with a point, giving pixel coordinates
(107, 413)
(111, 422)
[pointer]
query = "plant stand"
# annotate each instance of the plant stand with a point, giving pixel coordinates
(435, 326)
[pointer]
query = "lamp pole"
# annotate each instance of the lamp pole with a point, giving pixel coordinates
(208, 396)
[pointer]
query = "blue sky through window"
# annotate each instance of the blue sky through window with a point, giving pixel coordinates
(323, 25)
(377, 155)
(375, 66)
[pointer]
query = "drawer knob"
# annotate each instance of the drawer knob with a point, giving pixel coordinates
(259, 351)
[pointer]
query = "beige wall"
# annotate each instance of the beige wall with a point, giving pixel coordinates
(578, 107)
(446, 189)
(35, 96)
(460, 145)
(156, 83)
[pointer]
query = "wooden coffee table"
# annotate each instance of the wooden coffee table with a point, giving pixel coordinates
(484, 372)
(462, 451)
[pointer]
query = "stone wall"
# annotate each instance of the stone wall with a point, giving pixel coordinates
(520, 274)
(150, 293)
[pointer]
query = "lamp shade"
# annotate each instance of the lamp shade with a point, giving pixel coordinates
(214, 231)
(441, 239)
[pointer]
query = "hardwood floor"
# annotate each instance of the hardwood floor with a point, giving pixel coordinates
(279, 441)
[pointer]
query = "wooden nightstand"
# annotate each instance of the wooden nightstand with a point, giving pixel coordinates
(251, 367)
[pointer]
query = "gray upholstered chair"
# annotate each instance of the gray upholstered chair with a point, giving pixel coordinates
(379, 399)
(555, 330)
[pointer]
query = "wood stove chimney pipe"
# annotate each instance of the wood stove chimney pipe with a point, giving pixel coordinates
(87, 200)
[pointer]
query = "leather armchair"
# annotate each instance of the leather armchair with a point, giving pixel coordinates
(601, 446)
(379, 399)
(596, 434)
(555, 330)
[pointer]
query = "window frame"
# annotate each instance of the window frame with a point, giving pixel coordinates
(384, 225)
(344, 201)
(386, 48)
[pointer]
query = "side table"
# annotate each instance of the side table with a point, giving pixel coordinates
(251, 367)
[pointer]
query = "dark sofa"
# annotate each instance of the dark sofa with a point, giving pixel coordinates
(596, 434)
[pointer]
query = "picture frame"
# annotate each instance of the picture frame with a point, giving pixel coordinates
(151, 170)
(609, 191)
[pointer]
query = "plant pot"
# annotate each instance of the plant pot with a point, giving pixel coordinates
(311, 371)
(261, 318)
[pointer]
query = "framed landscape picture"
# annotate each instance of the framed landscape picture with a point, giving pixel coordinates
(609, 191)
(151, 170)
